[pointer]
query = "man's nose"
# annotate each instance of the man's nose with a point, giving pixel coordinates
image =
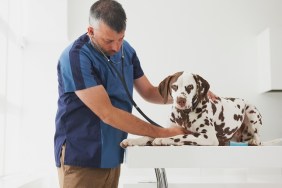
(116, 46)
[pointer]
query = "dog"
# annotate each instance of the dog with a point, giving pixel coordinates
(209, 122)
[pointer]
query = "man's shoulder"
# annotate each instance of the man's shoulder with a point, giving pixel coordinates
(80, 42)
(76, 46)
(127, 47)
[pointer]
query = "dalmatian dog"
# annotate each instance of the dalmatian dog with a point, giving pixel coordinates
(209, 122)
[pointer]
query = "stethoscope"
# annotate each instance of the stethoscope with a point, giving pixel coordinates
(110, 63)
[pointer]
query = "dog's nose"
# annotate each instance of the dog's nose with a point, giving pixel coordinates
(181, 101)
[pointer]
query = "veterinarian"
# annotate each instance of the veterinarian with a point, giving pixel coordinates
(94, 112)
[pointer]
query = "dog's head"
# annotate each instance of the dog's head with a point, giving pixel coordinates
(187, 90)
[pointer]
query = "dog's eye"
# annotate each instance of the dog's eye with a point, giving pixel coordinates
(190, 87)
(174, 87)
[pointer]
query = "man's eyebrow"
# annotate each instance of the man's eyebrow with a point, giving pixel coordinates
(107, 40)
(111, 40)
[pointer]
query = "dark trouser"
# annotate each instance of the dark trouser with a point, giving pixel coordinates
(79, 177)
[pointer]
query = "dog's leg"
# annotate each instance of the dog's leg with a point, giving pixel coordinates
(142, 141)
(252, 123)
(188, 139)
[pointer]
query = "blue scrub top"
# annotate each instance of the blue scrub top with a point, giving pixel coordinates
(89, 141)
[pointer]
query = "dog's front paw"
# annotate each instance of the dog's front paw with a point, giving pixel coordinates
(125, 143)
(166, 142)
(143, 141)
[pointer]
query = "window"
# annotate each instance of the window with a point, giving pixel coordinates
(10, 81)
(3, 63)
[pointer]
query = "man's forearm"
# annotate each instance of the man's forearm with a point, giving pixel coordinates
(129, 123)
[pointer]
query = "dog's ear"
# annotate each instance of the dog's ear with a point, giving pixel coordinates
(202, 90)
(165, 86)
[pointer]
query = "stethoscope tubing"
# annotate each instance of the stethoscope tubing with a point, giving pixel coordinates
(122, 79)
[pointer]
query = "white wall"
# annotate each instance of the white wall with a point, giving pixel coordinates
(45, 33)
(216, 39)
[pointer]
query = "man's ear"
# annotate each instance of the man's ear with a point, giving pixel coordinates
(165, 85)
(90, 31)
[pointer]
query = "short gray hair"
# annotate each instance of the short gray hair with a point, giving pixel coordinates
(110, 12)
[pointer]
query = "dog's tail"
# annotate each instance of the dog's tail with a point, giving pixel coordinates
(272, 142)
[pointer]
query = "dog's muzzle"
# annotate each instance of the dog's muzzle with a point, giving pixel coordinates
(181, 101)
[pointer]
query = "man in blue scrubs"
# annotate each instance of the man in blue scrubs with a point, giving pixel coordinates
(94, 111)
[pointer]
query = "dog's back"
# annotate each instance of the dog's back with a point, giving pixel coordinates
(236, 120)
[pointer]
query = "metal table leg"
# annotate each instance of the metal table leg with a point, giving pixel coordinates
(161, 178)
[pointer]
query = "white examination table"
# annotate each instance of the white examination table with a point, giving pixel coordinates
(161, 157)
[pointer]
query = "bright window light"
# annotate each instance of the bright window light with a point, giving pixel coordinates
(10, 83)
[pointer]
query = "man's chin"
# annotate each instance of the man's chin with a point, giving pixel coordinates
(110, 53)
